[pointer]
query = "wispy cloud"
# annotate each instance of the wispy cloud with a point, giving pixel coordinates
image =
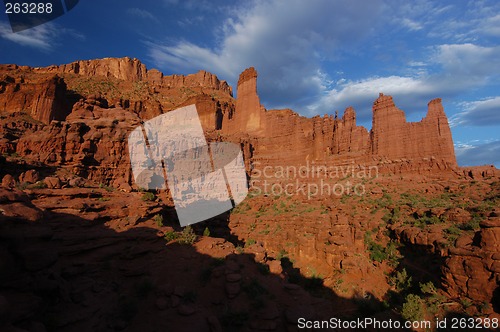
(294, 45)
(485, 112)
(460, 67)
(142, 13)
(474, 153)
(43, 37)
(285, 40)
(411, 25)
(491, 26)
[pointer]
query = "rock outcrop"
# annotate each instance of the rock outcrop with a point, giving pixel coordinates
(394, 138)
(44, 100)
(473, 268)
(282, 137)
(121, 68)
(249, 117)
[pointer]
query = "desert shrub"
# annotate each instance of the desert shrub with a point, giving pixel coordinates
(105, 187)
(148, 196)
(250, 242)
(282, 254)
(206, 232)
(158, 219)
(473, 224)
(413, 308)
(452, 233)
(187, 236)
(401, 280)
(377, 252)
(265, 231)
(428, 288)
(241, 208)
(170, 236)
(387, 217)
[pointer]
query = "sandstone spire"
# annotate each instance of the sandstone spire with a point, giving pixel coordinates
(249, 115)
(393, 138)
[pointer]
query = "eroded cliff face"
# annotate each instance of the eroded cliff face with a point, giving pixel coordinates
(276, 136)
(96, 103)
(282, 137)
(43, 99)
(394, 138)
(121, 68)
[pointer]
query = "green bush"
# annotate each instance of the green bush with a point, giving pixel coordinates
(413, 308)
(187, 236)
(250, 242)
(428, 288)
(206, 232)
(148, 196)
(171, 235)
(377, 252)
(401, 280)
(158, 219)
(282, 254)
(38, 185)
(473, 224)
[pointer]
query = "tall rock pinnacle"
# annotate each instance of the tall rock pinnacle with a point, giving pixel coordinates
(249, 114)
(394, 138)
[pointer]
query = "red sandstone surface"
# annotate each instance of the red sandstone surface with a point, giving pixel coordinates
(83, 249)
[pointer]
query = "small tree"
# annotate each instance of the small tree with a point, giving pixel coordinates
(206, 232)
(158, 219)
(187, 236)
(413, 308)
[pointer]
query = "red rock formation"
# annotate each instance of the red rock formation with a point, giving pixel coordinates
(121, 68)
(275, 137)
(201, 79)
(473, 270)
(285, 138)
(347, 136)
(393, 138)
(44, 101)
(249, 117)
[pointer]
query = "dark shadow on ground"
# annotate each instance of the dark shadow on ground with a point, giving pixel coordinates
(65, 273)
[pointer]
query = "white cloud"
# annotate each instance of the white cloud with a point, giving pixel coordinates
(491, 26)
(40, 37)
(484, 112)
(365, 91)
(43, 37)
(460, 67)
(469, 59)
(289, 43)
(142, 13)
(411, 25)
(284, 40)
(473, 154)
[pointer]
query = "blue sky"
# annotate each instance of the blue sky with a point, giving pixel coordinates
(312, 56)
